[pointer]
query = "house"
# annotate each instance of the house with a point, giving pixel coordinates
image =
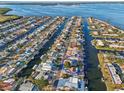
(27, 86)
(10, 81)
(100, 43)
(72, 83)
(115, 77)
(46, 66)
(5, 86)
(95, 32)
(41, 74)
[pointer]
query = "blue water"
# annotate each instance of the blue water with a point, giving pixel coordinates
(112, 13)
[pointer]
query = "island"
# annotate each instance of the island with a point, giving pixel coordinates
(4, 17)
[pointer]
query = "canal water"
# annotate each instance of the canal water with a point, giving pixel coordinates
(110, 12)
(93, 73)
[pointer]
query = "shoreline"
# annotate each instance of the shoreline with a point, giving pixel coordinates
(99, 75)
(3, 11)
(108, 66)
(7, 17)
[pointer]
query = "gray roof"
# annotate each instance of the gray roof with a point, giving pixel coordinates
(27, 86)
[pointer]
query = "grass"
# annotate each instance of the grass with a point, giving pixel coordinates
(41, 83)
(94, 43)
(104, 48)
(119, 61)
(105, 73)
(4, 10)
(109, 37)
(4, 18)
(108, 48)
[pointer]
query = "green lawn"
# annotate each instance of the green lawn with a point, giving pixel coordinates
(108, 48)
(4, 10)
(4, 18)
(104, 48)
(112, 37)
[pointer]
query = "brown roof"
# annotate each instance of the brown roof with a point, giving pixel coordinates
(5, 86)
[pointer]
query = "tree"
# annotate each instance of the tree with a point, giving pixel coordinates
(58, 61)
(67, 64)
(49, 88)
(65, 75)
(41, 83)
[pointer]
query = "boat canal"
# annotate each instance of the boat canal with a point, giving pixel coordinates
(23, 35)
(26, 72)
(92, 72)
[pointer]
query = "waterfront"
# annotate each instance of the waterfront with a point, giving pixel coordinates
(110, 12)
(94, 74)
(27, 71)
(110, 63)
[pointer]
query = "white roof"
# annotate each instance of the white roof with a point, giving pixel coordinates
(9, 80)
(73, 80)
(46, 66)
(39, 75)
(115, 77)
